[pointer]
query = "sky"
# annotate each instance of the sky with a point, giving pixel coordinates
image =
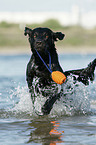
(46, 5)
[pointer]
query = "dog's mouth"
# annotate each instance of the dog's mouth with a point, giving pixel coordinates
(42, 48)
(38, 48)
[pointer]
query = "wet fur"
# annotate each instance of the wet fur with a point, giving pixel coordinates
(42, 39)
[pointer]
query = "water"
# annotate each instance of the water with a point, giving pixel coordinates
(72, 120)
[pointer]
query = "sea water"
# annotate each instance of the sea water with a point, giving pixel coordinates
(72, 120)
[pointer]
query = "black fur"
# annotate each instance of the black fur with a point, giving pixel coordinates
(42, 39)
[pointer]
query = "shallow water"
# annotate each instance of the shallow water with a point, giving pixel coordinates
(72, 120)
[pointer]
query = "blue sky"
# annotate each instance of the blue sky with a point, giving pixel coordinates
(46, 5)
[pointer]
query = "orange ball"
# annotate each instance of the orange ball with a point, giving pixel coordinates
(58, 77)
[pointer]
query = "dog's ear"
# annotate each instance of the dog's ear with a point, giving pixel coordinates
(27, 31)
(58, 35)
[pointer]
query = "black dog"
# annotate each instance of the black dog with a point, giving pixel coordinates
(42, 41)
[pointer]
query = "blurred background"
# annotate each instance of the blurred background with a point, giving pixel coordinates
(75, 18)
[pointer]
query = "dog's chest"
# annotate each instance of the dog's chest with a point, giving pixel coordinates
(42, 72)
(40, 69)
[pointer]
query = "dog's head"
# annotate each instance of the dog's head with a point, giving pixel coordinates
(42, 39)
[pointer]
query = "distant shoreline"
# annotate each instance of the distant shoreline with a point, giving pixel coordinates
(60, 50)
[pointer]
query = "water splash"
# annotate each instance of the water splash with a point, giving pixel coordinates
(75, 100)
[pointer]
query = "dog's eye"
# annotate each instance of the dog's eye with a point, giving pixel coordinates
(46, 36)
(35, 35)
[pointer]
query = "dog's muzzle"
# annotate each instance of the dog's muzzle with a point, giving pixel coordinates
(39, 43)
(41, 46)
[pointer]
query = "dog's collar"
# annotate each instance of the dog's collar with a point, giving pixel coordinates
(49, 68)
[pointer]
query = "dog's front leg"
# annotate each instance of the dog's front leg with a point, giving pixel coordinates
(29, 82)
(49, 104)
(29, 78)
